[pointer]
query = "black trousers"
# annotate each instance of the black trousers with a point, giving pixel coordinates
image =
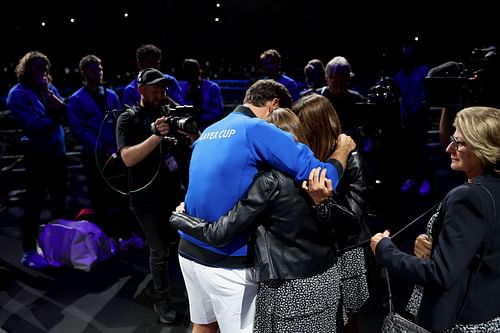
(44, 175)
(414, 140)
(111, 208)
(159, 236)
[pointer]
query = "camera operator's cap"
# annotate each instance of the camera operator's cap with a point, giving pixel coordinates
(151, 76)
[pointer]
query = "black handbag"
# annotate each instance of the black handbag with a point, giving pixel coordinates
(394, 322)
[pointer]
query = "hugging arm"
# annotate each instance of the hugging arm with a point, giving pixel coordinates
(241, 217)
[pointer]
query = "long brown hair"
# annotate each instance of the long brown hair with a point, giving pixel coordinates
(320, 122)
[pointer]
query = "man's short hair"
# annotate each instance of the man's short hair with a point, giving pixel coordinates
(271, 53)
(85, 61)
(263, 91)
(147, 50)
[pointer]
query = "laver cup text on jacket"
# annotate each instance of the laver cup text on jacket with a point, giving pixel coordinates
(213, 135)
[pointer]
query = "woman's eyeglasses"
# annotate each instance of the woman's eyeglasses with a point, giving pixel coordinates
(456, 143)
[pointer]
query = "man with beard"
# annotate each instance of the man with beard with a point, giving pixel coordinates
(156, 163)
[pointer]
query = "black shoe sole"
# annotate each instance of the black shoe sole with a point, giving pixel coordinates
(164, 320)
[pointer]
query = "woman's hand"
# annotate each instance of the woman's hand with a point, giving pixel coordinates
(318, 186)
(377, 238)
(423, 246)
(180, 208)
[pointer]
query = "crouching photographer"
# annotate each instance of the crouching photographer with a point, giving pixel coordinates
(154, 148)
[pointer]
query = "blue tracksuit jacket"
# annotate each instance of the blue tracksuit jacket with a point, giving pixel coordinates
(224, 162)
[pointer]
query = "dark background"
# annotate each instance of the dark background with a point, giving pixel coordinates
(368, 33)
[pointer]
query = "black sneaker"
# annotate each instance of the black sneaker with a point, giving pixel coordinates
(166, 314)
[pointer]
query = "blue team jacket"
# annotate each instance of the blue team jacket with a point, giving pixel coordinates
(224, 162)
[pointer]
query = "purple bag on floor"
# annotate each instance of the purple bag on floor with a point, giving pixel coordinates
(75, 244)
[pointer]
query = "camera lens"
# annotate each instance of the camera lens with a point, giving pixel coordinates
(188, 125)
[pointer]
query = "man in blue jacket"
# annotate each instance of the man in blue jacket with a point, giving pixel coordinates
(91, 113)
(225, 159)
(149, 56)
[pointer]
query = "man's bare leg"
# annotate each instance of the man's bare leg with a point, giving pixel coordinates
(205, 328)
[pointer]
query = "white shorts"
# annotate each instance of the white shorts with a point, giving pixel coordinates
(222, 295)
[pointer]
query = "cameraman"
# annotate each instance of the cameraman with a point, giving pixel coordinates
(155, 167)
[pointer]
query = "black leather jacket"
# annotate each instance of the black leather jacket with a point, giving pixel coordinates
(292, 240)
(289, 241)
(345, 208)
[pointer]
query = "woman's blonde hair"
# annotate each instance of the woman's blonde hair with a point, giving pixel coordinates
(289, 122)
(480, 127)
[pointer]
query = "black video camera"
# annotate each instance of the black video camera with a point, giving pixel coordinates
(456, 84)
(181, 118)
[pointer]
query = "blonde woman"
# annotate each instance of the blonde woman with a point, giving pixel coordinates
(460, 276)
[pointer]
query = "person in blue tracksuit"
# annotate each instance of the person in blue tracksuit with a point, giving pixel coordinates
(271, 65)
(203, 94)
(39, 110)
(149, 56)
(92, 110)
(225, 159)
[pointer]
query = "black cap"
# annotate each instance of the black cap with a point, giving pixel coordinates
(150, 76)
